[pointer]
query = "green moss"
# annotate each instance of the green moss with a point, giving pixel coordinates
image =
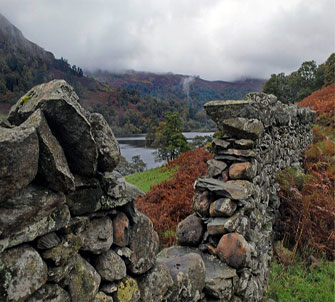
(24, 100)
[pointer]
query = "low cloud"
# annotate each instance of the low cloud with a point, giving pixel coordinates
(186, 84)
(215, 39)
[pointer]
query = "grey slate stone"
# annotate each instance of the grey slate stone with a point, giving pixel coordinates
(18, 159)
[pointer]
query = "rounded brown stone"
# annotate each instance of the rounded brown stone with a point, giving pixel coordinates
(190, 231)
(201, 203)
(240, 171)
(120, 230)
(233, 249)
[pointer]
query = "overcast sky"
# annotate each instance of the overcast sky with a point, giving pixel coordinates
(215, 39)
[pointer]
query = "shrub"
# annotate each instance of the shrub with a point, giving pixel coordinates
(307, 219)
(171, 201)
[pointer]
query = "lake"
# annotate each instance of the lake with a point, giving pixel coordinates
(135, 145)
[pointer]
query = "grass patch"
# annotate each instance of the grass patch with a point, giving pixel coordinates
(299, 282)
(144, 180)
(3, 116)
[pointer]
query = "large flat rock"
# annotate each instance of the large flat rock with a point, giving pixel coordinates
(53, 222)
(27, 207)
(221, 188)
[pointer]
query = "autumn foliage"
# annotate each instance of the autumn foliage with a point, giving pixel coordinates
(171, 201)
(307, 199)
(323, 103)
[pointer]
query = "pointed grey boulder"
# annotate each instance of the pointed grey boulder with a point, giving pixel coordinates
(66, 118)
(108, 147)
(53, 170)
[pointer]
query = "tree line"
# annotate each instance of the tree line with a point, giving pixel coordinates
(299, 84)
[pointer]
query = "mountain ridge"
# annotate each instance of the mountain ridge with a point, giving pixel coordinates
(131, 102)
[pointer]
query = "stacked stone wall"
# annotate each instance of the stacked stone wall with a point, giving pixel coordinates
(69, 228)
(236, 203)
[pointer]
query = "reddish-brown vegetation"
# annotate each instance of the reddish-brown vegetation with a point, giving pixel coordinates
(171, 201)
(307, 200)
(323, 103)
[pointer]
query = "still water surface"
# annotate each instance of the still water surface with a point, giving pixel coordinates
(135, 145)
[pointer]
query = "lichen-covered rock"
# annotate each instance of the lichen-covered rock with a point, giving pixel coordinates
(18, 160)
(124, 252)
(215, 167)
(127, 291)
(53, 170)
(102, 297)
(219, 109)
(144, 243)
(222, 207)
(22, 272)
(219, 278)
(221, 225)
(86, 197)
(110, 266)
(4, 123)
(76, 225)
(48, 241)
(221, 188)
(190, 231)
(50, 293)
(201, 203)
(117, 191)
(188, 274)
(98, 238)
(67, 249)
(109, 287)
(218, 281)
(113, 184)
(248, 186)
(59, 103)
(242, 127)
(220, 144)
(27, 207)
(244, 144)
(82, 282)
(58, 273)
(238, 153)
(234, 250)
(55, 221)
(108, 147)
(155, 283)
(121, 230)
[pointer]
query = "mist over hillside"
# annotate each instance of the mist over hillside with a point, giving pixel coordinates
(131, 102)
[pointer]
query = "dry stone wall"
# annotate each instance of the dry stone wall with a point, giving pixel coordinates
(236, 203)
(69, 228)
